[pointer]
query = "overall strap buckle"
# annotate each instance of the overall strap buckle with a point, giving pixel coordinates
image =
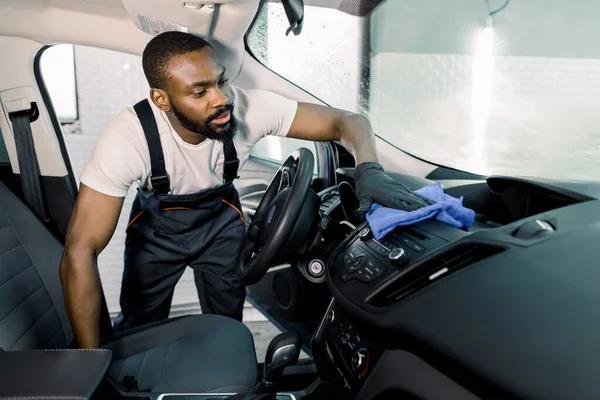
(160, 183)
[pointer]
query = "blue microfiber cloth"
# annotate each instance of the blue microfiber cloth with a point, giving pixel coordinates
(448, 209)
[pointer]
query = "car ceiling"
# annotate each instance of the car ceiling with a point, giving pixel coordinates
(110, 24)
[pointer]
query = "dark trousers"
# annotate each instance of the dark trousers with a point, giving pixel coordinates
(162, 241)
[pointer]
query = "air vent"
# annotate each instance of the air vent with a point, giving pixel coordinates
(329, 201)
(437, 267)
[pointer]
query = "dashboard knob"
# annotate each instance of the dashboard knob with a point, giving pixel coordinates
(398, 256)
(359, 361)
(364, 234)
(331, 317)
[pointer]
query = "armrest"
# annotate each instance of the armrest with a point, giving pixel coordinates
(66, 373)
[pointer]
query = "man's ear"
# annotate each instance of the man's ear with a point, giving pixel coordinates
(161, 99)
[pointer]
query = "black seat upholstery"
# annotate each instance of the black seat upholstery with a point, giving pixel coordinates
(201, 353)
(204, 353)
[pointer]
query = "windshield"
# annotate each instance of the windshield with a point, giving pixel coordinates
(516, 93)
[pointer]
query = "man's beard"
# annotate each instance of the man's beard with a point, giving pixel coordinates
(205, 129)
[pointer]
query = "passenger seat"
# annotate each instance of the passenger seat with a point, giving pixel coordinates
(201, 353)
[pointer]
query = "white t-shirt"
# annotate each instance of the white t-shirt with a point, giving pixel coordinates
(121, 156)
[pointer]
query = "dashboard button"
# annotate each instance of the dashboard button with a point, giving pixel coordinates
(379, 249)
(418, 247)
(356, 263)
(372, 265)
(398, 256)
(366, 277)
(362, 276)
(364, 234)
(378, 270)
(411, 244)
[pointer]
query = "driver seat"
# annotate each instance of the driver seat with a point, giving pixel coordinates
(200, 353)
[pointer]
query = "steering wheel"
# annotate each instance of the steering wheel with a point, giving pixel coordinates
(276, 216)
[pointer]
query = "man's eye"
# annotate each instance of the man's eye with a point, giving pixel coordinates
(199, 94)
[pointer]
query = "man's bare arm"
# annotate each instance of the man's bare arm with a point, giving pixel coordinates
(91, 227)
(323, 124)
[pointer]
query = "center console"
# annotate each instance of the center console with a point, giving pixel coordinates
(343, 351)
(376, 273)
(372, 273)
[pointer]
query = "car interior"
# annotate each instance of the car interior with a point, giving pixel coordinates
(503, 309)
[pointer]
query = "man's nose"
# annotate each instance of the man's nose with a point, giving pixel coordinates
(219, 99)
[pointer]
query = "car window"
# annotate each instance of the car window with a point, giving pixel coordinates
(58, 68)
(276, 149)
(443, 82)
(325, 59)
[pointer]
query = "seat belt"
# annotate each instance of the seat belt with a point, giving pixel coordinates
(160, 179)
(22, 113)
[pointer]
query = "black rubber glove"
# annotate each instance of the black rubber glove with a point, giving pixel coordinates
(374, 186)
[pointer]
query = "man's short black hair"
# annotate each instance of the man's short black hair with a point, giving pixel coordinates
(162, 48)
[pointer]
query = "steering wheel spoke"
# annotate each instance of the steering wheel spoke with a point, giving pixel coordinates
(255, 253)
(286, 179)
(276, 216)
(254, 231)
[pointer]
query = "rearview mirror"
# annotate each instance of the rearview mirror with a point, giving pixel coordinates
(294, 10)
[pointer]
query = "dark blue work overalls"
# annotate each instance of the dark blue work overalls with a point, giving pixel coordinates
(167, 233)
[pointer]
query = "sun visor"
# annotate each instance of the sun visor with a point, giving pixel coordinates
(157, 16)
(223, 23)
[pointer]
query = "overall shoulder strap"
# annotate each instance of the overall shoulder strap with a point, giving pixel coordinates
(159, 178)
(231, 162)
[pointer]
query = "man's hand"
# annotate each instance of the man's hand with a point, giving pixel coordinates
(320, 123)
(374, 186)
(92, 224)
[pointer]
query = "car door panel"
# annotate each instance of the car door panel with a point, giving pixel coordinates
(250, 202)
(254, 178)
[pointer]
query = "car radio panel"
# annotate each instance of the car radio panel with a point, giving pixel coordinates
(365, 262)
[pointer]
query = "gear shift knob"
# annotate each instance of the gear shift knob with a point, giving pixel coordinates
(283, 350)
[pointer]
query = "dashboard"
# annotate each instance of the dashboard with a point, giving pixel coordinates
(507, 309)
